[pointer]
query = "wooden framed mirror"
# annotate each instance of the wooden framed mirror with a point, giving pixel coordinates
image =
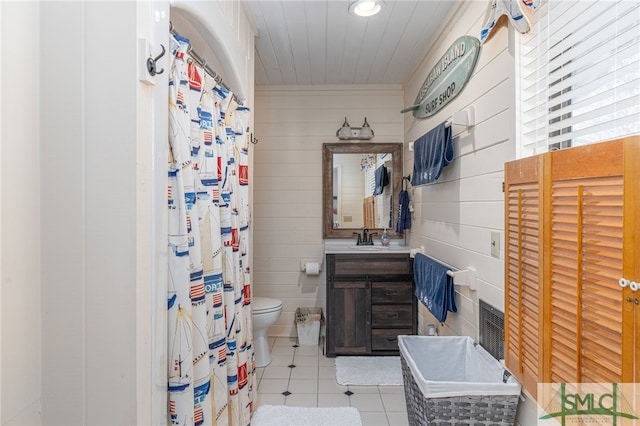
(355, 193)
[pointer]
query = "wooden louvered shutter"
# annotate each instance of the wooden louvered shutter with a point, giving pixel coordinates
(567, 320)
(631, 262)
(369, 212)
(523, 269)
(587, 236)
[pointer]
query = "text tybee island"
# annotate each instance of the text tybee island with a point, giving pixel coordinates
(447, 78)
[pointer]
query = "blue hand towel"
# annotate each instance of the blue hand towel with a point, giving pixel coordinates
(382, 180)
(434, 288)
(431, 152)
(404, 215)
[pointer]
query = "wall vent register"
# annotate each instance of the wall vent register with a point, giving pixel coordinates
(492, 330)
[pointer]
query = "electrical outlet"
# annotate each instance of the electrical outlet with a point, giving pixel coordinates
(495, 244)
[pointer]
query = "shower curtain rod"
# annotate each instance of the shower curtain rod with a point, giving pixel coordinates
(198, 59)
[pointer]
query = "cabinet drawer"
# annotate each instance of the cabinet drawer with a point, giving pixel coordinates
(385, 264)
(387, 339)
(391, 292)
(391, 315)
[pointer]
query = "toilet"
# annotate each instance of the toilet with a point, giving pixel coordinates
(266, 311)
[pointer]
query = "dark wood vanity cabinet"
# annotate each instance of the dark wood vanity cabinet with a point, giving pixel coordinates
(370, 301)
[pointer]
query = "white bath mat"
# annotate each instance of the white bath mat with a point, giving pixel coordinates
(280, 415)
(368, 370)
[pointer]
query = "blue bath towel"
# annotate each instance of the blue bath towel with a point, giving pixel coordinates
(404, 215)
(431, 152)
(434, 288)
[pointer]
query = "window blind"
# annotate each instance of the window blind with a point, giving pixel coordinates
(579, 69)
(369, 182)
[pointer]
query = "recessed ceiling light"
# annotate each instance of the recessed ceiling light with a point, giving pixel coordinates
(365, 7)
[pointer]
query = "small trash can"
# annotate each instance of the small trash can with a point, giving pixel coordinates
(308, 324)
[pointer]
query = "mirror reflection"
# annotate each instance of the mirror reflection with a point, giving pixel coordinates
(362, 192)
(361, 185)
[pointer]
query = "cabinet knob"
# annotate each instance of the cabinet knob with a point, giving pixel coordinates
(632, 284)
(392, 315)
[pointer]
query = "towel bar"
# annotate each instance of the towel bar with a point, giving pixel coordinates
(464, 118)
(461, 277)
(465, 278)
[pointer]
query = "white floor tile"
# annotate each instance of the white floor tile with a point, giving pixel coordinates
(373, 419)
(327, 372)
(297, 386)
(304, 373)
(313, 383)
(308, 351)
(280, 361)
(302, 400)
(276, 373)
(397, 418)
(285, 341)
(305, 361)
(330, 386)
(273, 385)
(367, 401)
(393, 402)
(270, 399)
(326, 362)
(391, 389)
(363, 389)
(332, 400)
(283, 351)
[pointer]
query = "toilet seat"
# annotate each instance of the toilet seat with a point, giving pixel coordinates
(264, 305)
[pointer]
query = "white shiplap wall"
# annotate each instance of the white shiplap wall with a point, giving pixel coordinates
(21, 302)
(291, 124)
(455, 216)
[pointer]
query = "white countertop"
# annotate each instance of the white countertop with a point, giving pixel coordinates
(351, 247)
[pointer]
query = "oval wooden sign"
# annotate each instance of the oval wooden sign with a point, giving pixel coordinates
(447, 78)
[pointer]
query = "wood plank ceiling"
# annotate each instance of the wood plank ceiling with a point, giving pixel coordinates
(320, 42)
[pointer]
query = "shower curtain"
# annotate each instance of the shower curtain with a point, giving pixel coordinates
(211, 365)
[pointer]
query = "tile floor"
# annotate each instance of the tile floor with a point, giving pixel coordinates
(312, 383)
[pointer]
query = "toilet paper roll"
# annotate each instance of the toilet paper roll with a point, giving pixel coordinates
(312, 268)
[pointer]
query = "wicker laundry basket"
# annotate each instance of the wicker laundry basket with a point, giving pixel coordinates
(449, 381)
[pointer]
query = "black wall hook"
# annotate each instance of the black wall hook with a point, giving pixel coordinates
(151, 63)
(252, 140)
(408, 180)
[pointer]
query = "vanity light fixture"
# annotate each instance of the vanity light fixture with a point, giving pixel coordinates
(365, 8)
(346, 132)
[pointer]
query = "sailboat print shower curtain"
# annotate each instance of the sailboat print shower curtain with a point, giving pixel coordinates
(209, 320)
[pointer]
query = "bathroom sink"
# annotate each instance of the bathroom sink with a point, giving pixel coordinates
(340, 248)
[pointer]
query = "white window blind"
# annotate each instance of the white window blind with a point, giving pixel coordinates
(369, 182)
(579, 70)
